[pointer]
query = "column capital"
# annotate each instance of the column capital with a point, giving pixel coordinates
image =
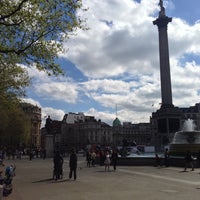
(162, 21)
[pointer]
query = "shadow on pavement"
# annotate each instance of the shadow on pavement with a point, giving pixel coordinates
(51, 180)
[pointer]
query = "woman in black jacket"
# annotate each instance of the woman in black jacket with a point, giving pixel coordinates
(58, 166)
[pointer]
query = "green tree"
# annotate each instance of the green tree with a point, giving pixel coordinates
(15, 125)
(33, 31)
(13, 80)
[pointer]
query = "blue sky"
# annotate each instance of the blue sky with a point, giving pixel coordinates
(116, 62)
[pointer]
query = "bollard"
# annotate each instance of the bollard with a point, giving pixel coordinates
(1, 192)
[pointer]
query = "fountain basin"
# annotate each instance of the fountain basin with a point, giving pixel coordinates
(185, 141)
(180, 149)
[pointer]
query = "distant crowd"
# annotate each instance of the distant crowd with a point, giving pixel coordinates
(12, 153)
(106, 158)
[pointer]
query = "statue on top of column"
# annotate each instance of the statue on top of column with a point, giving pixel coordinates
(162, 9)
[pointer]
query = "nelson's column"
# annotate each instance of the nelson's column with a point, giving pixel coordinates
(166, 120)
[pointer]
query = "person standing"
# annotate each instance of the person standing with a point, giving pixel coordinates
(93, 155)
(114, 158)
(1, 158)
(73, 164)
(107, 161)
(31, 154)
(44, 154)
(101, 158)
(58, 163)
(198, 159)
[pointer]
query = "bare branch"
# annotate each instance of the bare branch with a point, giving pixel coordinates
(10, 24)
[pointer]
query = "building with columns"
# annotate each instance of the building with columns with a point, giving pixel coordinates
(127, 133)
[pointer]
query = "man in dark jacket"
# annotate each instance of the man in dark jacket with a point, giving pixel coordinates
(73, 164)
(114, 158)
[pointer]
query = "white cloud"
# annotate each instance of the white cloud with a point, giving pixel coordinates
(117, 41)
(128, 44)
(63, 91)
(183, 38)
(104, 116)
(123, 115)
(185, 83)
(31, 101)
(108, 86)
(55, 114)
(119, 55)
(53, 88)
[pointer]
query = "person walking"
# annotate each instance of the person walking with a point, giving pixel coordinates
(166, 157)
(73, 164)
(114, 158)
(188, 161)
(88, 158)
(158, 160)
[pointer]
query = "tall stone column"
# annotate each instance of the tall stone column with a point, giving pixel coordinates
(166, 120)
(162, 22)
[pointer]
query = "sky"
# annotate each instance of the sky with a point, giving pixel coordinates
(112, 69)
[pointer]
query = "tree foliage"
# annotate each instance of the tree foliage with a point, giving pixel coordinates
(33, 31)
(13, 80)
(14, 125)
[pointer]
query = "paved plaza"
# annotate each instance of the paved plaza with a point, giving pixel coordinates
(33, 181)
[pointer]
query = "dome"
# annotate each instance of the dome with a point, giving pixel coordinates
(116, 122)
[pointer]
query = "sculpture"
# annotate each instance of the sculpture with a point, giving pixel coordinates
(162, 9)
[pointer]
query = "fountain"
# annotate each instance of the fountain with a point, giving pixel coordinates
(187, 139)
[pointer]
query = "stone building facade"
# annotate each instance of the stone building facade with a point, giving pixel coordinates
(166, 123)
(84, 131)
(34, 113)
(79, 131)
(131, 134)
(193, 113)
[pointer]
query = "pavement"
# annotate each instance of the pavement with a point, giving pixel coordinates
(33, 181)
